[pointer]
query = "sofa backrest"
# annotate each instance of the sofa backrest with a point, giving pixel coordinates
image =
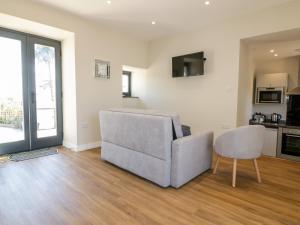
(148, 134)
(175, 117)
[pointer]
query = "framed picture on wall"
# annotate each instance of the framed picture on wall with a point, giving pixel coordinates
(102, 69)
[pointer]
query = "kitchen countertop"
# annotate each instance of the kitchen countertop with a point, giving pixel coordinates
(269, 124)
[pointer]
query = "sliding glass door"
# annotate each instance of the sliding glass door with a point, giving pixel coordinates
(30, 92)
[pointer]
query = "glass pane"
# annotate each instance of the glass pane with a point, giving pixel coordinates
(125, 83)
(270, 96)
(45, 90)
(11, 91)
(291, 145)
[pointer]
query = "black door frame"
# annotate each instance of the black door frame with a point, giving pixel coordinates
(30, 126)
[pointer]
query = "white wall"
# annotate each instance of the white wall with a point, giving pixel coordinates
(69, 92)
(204, 102)
(91, 41)
(210, 101)
(246, 83)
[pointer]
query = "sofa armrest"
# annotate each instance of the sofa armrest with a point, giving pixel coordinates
(191, 156)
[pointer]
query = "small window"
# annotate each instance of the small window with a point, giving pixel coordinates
(126, 84)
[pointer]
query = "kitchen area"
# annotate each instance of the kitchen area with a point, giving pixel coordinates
(279, 107)
(269, 91)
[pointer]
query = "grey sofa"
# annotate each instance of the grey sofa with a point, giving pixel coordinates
(150, 144)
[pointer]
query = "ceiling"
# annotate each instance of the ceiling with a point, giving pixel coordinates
(171, 16)
(285, 44)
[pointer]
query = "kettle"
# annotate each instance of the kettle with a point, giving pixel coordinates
(275, 117)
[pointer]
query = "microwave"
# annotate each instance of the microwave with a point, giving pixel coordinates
(273, 95)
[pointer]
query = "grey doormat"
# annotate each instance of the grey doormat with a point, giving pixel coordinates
(32, 154)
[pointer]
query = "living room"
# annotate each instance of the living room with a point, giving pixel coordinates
(74, 186)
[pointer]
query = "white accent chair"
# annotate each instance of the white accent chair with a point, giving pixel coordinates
(241, 143)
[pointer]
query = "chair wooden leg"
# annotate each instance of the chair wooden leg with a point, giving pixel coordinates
(216, 165)
(234, 172)
(257, 171)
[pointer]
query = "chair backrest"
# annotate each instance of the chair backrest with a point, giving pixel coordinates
(148, 134)
(242, 143)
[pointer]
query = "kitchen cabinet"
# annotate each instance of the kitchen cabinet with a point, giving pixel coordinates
(272, 80)
(270, 142)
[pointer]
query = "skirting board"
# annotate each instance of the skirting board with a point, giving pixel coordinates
(84, 147)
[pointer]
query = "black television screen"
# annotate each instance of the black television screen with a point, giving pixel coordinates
(188, 65)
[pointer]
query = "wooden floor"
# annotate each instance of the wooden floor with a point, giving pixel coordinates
(78, 188)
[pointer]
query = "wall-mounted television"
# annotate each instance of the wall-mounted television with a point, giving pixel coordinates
(188, 65)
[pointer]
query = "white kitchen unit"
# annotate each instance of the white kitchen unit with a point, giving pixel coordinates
(270, 142)
(272, 80)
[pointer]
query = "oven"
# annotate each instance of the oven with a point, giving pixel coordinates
(288, 145)
(269, 95)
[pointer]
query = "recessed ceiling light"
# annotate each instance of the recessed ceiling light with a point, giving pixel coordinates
(272, 51)
(207, 2)
(275, 54)
(108, 2)
(153, 22)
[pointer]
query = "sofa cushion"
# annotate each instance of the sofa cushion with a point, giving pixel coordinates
(186, 130)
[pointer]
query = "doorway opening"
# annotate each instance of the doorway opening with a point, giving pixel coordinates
(30, 92)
